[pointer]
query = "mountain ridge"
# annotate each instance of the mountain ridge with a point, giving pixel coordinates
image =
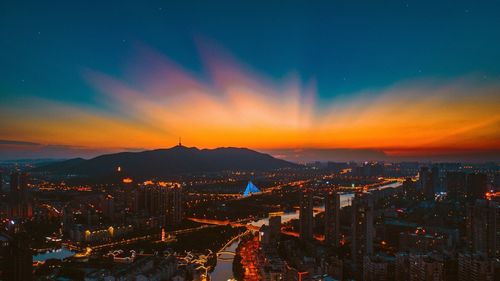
(166, 162)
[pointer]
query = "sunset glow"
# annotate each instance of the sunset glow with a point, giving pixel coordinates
(342, 80)
(236, 107)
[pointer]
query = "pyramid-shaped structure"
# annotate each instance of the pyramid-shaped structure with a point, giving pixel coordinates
(251, 189)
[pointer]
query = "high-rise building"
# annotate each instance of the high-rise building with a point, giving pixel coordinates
(174, 205)
(435, 179)
(402, 264)
(408, 186)
(362, 230)
(164, 201)
(455, 185)
(496, 181)
(334, 267)
(129, 192)
(332, 218)
(108, 206)
(306, 216)
(269, 234)
(477, 186)
(14, 181)
(425, 182)
(18, 259)
(483, 227)
(475, 267)
(19, 200)
(376, 268)
(426, 268)
(275, 228)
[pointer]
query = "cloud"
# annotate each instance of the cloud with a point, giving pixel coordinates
(16, 142)
(233, 105)
(339, 155)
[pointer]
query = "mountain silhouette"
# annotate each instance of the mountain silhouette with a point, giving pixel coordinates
(167, 162)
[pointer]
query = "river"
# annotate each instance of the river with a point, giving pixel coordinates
(59, 254)
(224, 268)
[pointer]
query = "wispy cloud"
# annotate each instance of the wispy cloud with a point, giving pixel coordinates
(233, 105)
(16, 142)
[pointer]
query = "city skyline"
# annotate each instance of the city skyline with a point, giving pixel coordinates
(421, 84)
(250, 140)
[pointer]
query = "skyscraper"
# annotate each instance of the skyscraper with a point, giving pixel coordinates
(332, 218)
(19, 199)
(18, 258)
(164, 201)
(275, 228)
(306, 216)
(174, 205)
(376, 268)
(108, 206)
(425, 267)
(477, 186)
(425, 182)
(455, 185)
(362, 231)
(435, 179)
(475, 267)
(483, 227)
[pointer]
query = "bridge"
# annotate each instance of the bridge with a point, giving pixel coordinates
(226, 253)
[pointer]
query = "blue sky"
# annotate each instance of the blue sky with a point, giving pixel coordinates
(344, 47)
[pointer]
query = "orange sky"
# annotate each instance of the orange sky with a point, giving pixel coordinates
(243, 109)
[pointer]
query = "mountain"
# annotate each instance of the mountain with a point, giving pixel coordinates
(167, 162)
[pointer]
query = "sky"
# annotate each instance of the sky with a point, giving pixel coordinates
(297, 79)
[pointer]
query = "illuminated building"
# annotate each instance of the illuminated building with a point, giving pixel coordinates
(483, 227)
(408, 186)
(164, 200)
(108, 206)
(250, 189)
(129, 189)
(306, 216)
(475, 267)
(271, 268)
(362, 230)
(332, 218)
(421, 241)
(20, 201)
